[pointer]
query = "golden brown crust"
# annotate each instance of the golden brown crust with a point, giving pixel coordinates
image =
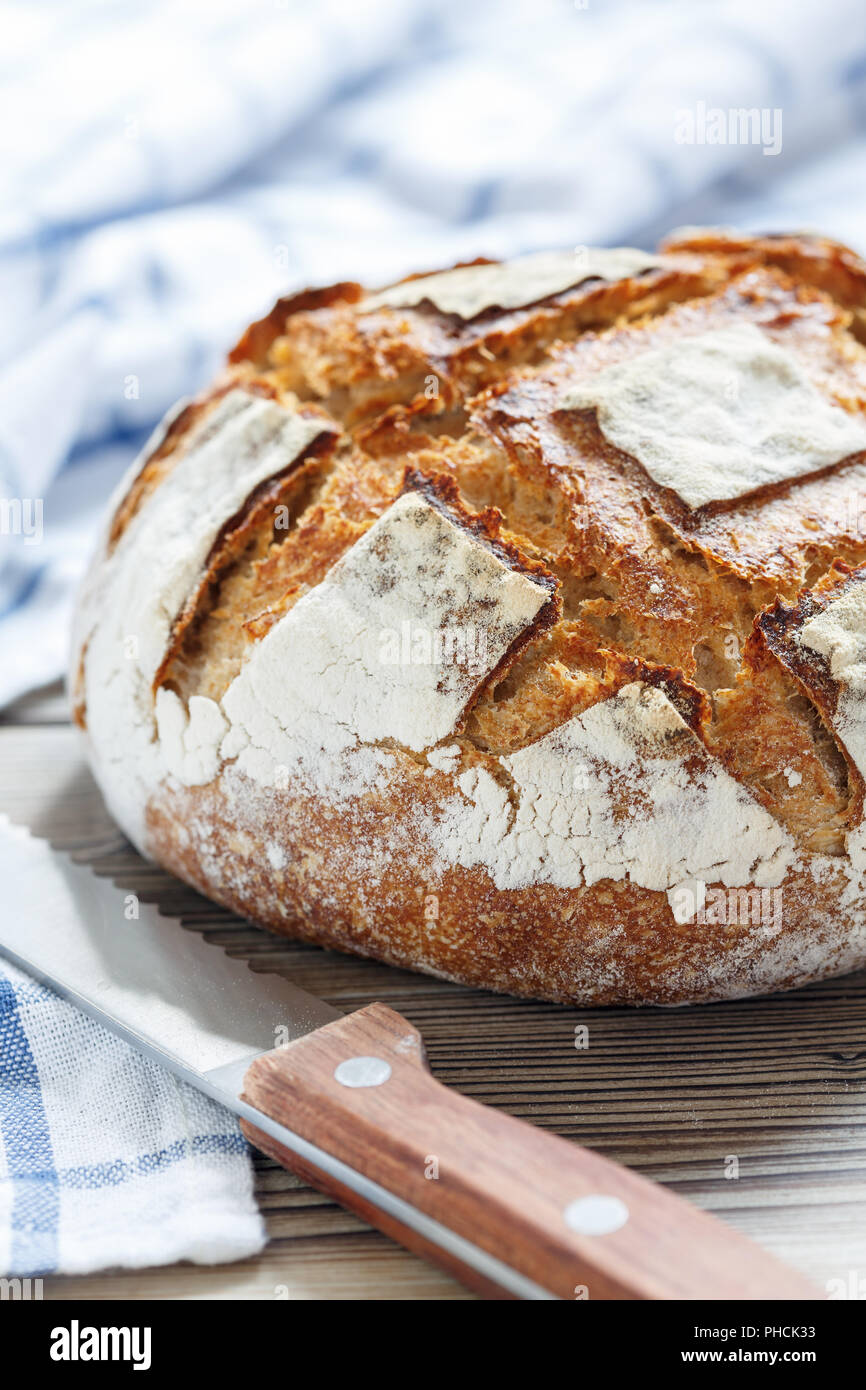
(255, 342)
(780, 627)
(361, 365)
(704, 604)
(247, 528)
(810, 259)
(612, 943)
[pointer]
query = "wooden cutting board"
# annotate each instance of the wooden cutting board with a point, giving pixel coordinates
(755, 1110)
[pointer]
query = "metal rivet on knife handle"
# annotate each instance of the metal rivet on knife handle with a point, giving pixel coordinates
(596, 1215)
(358, 1072)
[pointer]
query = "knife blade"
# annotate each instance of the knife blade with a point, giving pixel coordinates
(347, 1102)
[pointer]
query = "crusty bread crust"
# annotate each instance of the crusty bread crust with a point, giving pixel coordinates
(703, 605)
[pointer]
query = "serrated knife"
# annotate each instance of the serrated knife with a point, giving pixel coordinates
(348, 1103)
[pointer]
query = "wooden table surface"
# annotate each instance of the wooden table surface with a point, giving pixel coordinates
(772, 1090)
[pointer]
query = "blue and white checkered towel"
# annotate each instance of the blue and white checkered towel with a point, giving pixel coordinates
(105, 1158)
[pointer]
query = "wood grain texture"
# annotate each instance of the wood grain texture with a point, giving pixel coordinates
(755, 1110)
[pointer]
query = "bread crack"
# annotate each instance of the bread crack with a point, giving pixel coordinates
(635, 585)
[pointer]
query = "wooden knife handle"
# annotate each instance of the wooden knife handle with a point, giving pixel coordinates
(566, 1219)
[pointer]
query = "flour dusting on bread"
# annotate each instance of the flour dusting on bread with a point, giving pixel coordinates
(560, 618)
(718, 415)
(389, 648)
(471, 289)
(149, 575)
(838, 634)
(624, 790)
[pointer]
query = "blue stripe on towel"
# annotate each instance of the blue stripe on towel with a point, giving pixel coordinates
(24, 1128)
(92, 1176)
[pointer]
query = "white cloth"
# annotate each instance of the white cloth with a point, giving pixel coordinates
(105, 1158)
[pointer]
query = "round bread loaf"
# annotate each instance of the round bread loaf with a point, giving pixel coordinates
(509, 623)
